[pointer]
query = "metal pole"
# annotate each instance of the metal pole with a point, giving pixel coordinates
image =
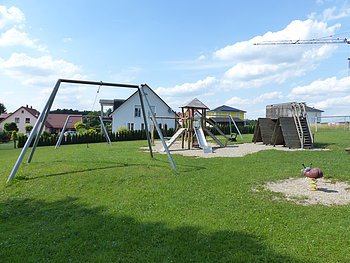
(37, 138)
(31, 136)
(146, 124)
(103, 127)
(158, 130)
(236, 127)
(62, 133)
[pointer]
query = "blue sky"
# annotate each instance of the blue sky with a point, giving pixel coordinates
(182, 49)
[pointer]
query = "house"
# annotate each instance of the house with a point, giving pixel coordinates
(221, 113)
(22, 117)
(28, 116)
(55, 122)
(128, 113)
(3, 116)
(313, 113)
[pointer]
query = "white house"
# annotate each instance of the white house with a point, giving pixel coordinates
(313, 113)
(128, 113)
(28, 116)
(22, 117)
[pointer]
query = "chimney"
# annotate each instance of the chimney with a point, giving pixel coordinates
(27, 106)
(31, 107)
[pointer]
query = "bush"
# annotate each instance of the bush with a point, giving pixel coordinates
(10, 127)
(4, 136)
(28, 128)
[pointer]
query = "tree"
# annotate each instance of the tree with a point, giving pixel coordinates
(28, 128)
(10, 126)
(14, 138)
(2, 108)
(80, 127)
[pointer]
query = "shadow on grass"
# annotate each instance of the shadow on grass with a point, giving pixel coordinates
(322, 145)
(67, 231)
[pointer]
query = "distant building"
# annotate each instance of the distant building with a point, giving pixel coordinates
(4, 116)
(221, 113)
(28, 116)
(23, 116)
(55, 122)
(128, 113)
(313, 113)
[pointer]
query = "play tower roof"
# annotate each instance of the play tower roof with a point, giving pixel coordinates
(195, 103)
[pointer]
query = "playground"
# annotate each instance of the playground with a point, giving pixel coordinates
(115, 203)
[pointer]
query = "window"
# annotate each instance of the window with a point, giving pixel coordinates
(16, 120)
(22, 111)
(27, 120)
(142, 126)
(237, 115)
(137, 111)
(130, 126)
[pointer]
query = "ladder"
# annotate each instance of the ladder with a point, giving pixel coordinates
(302, 125)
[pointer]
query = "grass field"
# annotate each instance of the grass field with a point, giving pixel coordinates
(115, 204)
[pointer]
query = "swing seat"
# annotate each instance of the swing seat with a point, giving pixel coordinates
(233, 137)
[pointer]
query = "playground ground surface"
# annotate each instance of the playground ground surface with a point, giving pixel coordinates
(116, 204)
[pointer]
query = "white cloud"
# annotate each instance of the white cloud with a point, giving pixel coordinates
(268, 96)
(198, 87)
(38, 71)
(336, 103)
(10, 16)
(333, 13)
(15, 37)
(322, 88)
(237, 101)
(257, 65)
(13, 30)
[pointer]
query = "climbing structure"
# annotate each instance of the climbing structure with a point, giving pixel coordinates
(285, 124)
(193, 127)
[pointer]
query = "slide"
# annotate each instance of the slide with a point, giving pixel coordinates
(175, 136)
(202, 142)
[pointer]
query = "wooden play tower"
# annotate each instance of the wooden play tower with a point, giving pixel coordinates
(193, 129)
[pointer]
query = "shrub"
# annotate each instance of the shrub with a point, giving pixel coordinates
(28, 128)
(10, 127)
(4, 136)
(122, 129)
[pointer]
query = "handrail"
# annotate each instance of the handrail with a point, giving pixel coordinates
(298, 124)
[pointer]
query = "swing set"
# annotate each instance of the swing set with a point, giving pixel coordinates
(40, 123)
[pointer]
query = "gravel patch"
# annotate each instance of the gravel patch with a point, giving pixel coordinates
(297, 190)
(237, 150)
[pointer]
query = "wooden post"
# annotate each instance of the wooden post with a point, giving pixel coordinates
(183, 126)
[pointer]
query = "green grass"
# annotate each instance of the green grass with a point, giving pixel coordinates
(115, 204)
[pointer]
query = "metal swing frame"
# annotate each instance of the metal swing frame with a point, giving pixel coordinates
(103, 127)
(40, 123)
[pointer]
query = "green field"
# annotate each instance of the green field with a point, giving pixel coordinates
(115, 204)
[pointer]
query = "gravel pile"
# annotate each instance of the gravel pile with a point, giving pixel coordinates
(297, 190)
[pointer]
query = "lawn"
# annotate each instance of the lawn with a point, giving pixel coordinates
(115, 204)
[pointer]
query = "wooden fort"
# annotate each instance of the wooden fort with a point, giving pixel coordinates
(285, 124)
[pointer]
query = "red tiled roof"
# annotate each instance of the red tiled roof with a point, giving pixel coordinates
(57, 121)
(3, 116)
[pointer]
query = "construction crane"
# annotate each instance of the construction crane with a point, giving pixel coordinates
(314, 41)
(302, 42)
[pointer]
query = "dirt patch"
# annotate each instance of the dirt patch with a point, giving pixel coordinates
(237, 150)
(297, 190)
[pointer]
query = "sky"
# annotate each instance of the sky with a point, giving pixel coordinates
(181, 49)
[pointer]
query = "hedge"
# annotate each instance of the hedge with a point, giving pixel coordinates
(118, 136)
(93, 138)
